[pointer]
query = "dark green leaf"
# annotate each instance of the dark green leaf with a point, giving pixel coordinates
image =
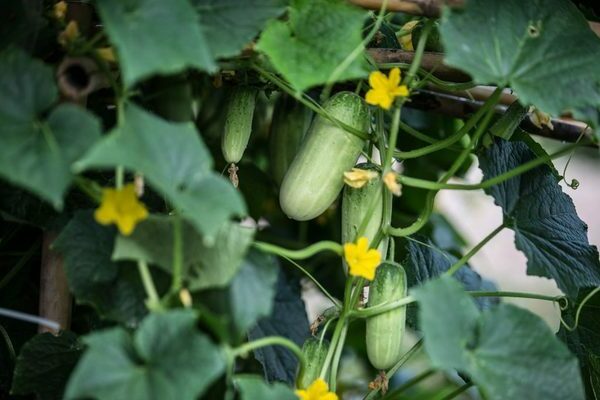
(543, 49)
(37, 152)
(254, 388)
(584, 340)
(20, 22)
(220, 21)
(174, 160)
(166, 358)
(288, 319)
(509, 352)
(155, 37)
(114, 289)
(206, 266)
(318, 37)
(44, 365)
(547, 228)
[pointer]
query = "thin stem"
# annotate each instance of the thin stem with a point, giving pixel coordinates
(9, 345)
(336, 358)
(421, 136)
(177, 281)
(522, 295)
(335, 301)
(457, 391)
(396, 394)
(465, 259)
(119, 173)
(246, 348)
(34, 319)
(427, 75)
(302, 253)
(416, 62)
(153, 301)
(393, 139)
(381, 308)
(579, 308)
(90, 188)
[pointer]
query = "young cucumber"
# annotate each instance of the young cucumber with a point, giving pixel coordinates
(238, 123)
(357, 203)
(384, 332)
(290, 122)
(315, 177)
(314, 352)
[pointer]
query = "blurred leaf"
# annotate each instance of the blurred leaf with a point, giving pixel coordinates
(318, 37)
(166, 358)
(155, 37)
(173, 159)
(20, 22)
(547, 228)
(509, 352)
(253, 387)
(37, 151)
(44, 365)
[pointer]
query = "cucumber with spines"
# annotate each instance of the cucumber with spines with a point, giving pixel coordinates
(238, 123)
(314, 352)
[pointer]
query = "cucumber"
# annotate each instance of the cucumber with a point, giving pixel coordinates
(238, 123)
(384, 332)
(434, 40)
(315, 177)
(290, 122)
(314, 352)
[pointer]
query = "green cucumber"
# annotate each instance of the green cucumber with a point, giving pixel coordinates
(291, 120)
(316, 176)
(238, 123)
(314, 352)
(384, 332)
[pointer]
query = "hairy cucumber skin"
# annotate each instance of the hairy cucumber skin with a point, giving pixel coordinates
(384, 332)
(238, 123)
(314, 353)
(315, 177)
(291, 120)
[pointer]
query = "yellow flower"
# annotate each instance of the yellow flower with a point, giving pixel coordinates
(318, 390)
(358, 178)
(121, 207)
(392, 184)
(69, 35)
(406, 39)
(107, 54)
(384, 90)
(361, 260)
(59, 11)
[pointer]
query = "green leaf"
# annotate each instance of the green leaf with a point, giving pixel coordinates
(220, 22)
(509, 352)
(252, 387)
(113, 289)
(206, 265)
(543, 49)
(288, 319)
(44, 365)
(318, 37)
(36, 152)
(175, 161)
(166, 358)
(248, 297)
(547, 228)
(155, 37)
(584, 340)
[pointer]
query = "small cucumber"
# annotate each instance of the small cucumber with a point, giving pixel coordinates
(315, 177)
(314, 352)
(238, 123)
(290, 122)
(384, 332)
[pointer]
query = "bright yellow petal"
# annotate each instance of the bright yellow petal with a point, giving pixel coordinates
(394, 79)
(362, 244)
(358, 178)
(378, 80)
(105, 215)
(126, 224)
(329, 396)
(400, 91)
(374, 96)
(302, 394)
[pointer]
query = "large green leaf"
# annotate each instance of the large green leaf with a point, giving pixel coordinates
(174, 160)
(220, 21)
(206, 265)
(113, 289)
(155, 37)
(547, 228)
(36, 151)
(44, 365)
(509, 352)
(543, 49)
(252, 387)
(318, 37)
(166, 358)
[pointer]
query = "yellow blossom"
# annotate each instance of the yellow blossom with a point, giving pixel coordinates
(358, 178)
(384, 89)
(361, 260)
(318, 390)
(540, 118)
(59, 11)
(121, 207)
(107, 54)
(69, 35)
(186, 298)
(392, 184)
(406, 39)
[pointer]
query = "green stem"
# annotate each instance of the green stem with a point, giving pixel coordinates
(246, 348)
(335, 301)
(465, 259)
(177, 282)
(442, 84)
(579, 308)
(90, 188)
(9, 345)
(381, 308)
(522, 295)
(119, 174)
(393, 139)
(336, 358)
(421, 136)
(397, 393)
(301, 254)
(153, 301)
(416, 62)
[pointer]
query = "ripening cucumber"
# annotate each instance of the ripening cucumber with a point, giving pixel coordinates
(384, 332)
(314, 352)
(238, 123)
(315, 177)
(290, 122)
